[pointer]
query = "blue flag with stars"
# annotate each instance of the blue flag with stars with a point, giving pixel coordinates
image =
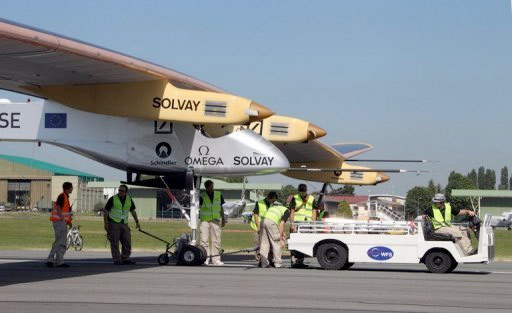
(55, 120)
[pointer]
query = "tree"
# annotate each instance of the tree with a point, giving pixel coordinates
(504, 179)
(431, 185)
(285, 192)
(344, 210)
(481, 177)
(232, 179)
(458, 181)
(510, 183)
(474, 177)
(489, 180)
(418, 199)
(439, 189)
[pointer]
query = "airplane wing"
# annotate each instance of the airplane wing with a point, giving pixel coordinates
(33, 57)
(98, 80)
(316, 161)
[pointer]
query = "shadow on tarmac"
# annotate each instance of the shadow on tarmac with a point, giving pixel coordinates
(34, 271)
(17, 272)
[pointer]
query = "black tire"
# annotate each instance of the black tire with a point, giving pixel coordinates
(68, 242)
(453, 267)
(332, 256)
(439, 262)
(204, 254)
(347, 266)
(80, 243)
(190, 256)
(163, 259)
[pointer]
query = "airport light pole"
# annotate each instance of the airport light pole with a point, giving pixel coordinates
(418, 207)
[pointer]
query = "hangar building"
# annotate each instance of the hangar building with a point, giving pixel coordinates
(31, 184)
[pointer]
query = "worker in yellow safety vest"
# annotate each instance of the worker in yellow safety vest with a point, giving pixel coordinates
(61, 219)
(212, 219)
(303, 207)
(440, 214)
(116, 213)
(259, 210)
(272, 235)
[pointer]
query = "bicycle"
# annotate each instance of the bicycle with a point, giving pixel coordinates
(74, 239)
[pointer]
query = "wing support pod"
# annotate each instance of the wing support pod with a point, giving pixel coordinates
(276, 129)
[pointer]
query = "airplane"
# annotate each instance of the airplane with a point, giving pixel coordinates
(146, 119)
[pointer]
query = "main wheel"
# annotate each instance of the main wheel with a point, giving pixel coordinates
(332, 256)
(163, 259)
(79, 244)
(190, 256)
(204, 254)
(439, 262)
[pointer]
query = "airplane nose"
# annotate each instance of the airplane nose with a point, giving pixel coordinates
(382, 178)
(263, 112)
(315, 132)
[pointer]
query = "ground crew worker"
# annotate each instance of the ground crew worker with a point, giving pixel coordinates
(440, 215)
(303, 207)
(116, 225)
(61, 219)
(323, 214)
(259, 210)
(272, 236)
(212, 219)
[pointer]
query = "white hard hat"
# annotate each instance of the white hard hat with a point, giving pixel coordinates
(439, 197)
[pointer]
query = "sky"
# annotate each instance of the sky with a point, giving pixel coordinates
(415, 79)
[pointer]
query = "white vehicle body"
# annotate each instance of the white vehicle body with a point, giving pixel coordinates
(383, 242)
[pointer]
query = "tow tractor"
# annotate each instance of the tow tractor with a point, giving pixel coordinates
(338, 244)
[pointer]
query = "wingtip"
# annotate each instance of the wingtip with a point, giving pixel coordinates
(263, 111)
(315, 132)
(382, 178)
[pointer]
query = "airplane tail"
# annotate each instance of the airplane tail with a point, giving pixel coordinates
(22, 121)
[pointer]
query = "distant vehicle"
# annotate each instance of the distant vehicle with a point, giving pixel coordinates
(502, 221)
(247, 217)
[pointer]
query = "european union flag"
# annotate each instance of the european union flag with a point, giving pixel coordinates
(55, 120)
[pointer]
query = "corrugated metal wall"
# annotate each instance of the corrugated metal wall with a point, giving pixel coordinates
(145, 202)
(13, 170)
(3, 191)
(40, 194)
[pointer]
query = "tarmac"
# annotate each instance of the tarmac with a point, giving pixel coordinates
(94, 284)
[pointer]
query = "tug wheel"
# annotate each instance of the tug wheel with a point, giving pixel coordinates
(439, 262)
(332, 256)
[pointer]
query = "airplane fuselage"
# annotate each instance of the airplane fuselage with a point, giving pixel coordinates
(140, 145)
